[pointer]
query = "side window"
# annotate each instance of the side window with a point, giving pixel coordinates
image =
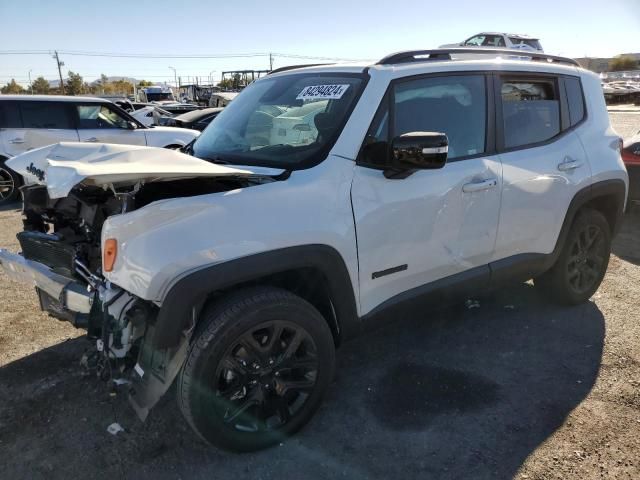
(456, 106)
(493, 41)
(10, 115)
(99, 116)
(575, 99)
(50, 115)
(530, 111)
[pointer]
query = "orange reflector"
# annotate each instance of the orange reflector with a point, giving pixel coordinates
(109, 254)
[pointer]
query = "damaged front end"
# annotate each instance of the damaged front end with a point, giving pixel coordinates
(76, 189)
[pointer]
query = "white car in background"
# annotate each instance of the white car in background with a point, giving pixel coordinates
(32, 121)
(151, 115)
(500, 40)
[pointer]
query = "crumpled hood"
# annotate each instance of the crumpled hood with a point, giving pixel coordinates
(64, 165)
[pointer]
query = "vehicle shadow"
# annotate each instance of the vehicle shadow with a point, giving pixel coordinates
(626, 244)
(458, 393)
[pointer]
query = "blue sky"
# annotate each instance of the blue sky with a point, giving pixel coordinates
(356, 29)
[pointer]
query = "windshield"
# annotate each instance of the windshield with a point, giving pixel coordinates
(285, 121)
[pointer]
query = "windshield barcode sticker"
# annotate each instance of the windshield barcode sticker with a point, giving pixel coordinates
(322, 92)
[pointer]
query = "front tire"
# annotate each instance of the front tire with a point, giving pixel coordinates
(257, 369)
(583, 262)
(10, 181)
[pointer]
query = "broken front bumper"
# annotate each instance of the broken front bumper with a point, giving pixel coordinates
(62, 297)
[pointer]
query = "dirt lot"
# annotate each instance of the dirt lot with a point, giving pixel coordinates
(516, 388)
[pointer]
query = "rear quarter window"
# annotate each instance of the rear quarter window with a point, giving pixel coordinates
(575, 99)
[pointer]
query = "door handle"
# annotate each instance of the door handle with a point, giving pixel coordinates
(569, 164)
(16, 140)
(479, 186)
(92, 139)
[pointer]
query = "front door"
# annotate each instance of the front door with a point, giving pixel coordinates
(432, 224)
(101, 123)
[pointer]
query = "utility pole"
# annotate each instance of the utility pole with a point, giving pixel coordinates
(271, 61)
(30, 84)
(60, 64)
(175, 76)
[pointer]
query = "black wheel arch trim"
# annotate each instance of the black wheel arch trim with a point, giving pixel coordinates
(175, 315)
(615, 188)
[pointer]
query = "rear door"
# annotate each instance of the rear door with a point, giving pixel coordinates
(100, 122)
(544, 162)
(46, 123)
(33, 124)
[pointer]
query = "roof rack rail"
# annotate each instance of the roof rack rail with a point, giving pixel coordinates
(294, 67)
(445, 54)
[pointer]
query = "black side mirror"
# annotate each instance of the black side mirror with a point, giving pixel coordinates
(419, 151)
(131, 125)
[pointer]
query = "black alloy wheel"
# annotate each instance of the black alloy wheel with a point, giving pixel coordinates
(588, 254)
(9, 183)
(582, 262)
(259, 364)
(266, 376)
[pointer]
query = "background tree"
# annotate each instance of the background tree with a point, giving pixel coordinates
(40, 85)
(122, 87)
(12, 87)
(232, 83)
(74, 83)
(622, 63)
(145, 83)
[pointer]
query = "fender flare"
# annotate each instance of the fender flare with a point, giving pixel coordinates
(176, 312)
(615, 188)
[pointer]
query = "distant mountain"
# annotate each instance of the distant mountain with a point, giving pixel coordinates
(135, 81)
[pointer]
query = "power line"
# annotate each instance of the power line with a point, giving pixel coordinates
(183, 56)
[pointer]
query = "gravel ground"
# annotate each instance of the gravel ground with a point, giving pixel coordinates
(516, 388)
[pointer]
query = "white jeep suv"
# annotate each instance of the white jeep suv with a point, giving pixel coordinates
(32, 121)
(237, 268)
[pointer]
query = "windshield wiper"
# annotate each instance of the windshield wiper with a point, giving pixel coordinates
(217, 160)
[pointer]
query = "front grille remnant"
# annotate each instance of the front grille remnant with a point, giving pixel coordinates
(48, 250)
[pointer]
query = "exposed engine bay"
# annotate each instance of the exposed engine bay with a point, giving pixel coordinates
(65, 235)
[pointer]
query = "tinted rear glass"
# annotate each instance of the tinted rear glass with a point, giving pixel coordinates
(10, 115)
(531, 112)
(575, 99)
(45, 115)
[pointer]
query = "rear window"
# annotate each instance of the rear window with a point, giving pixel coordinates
(575, 99)
(531, 111)
(10, 115)
(524, 41)
(50, 115)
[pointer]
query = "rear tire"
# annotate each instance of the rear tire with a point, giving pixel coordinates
(583, 262)
(257, 369)
(10, 181)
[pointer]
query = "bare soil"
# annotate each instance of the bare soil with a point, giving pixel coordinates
(517, 388)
